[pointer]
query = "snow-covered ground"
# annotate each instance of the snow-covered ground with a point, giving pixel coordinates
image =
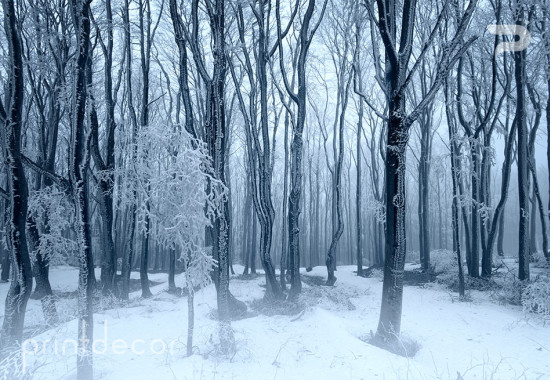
(146, 340)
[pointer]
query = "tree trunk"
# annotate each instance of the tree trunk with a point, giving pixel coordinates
(455, 209)
(533, 248)
(144, 258)
(6, 264)
(424, 195)
(392, 291)
(127, 263)
(78, 174)
(296, 148)
(145, 53)
(498, 217)
(248, 214)
(106, 164)
(337, 232)
(172, 271)
(358, 192)
(522, 154)
(43, 289)
(284, 232)
(473, 269)
(500, 238)
(20, 289)
(216, 139)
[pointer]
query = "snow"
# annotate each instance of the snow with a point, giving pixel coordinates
(478, 339)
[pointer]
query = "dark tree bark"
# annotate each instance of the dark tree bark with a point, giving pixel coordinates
(253, 240)
(129, 242)
(6, 264)
(260, 158)
(500, 238)
(497, 222)
(296, 147)
(45, 90)
(398, 124)
(248, 214)
(424, 192)
(145, 41)
(78, 176)
(523, 167)
(479, 160)
(216, 141)
(106, 164)
(536, 197)
(43, 290)
(284, 232)
(215, 137)
(19, 292)
(341, 45)
(172, 271)
(547, 58)
(498, 217)
(337, 232)
(455, 209)
(183, 78)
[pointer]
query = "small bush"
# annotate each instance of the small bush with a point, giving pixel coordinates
(509, 289)
(413, 257)
(377, 273)
(540, 261)
(445, 267)
(280, 307)
(444, 261)
(536, 297)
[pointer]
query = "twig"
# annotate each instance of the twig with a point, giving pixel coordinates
(299, 316)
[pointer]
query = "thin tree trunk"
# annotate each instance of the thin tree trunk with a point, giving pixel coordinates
(523, 170)
(145, 53)
(172, 271)
(253, 243)
(337, 232)
(455, 209)
(127, 263)
(284, 233)
(500, 238)
(296, 149)
(533, 248)
(498, 217)
(474, 255)
(358, 192)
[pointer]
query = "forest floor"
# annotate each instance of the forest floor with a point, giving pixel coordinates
(323, 339)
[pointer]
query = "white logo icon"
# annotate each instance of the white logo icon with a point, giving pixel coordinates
(514, 30)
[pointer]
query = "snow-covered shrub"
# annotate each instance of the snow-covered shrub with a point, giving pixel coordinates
(540, 261)
(331, 298)
(413, 257)
(445, 267)
(285, 307)
(508, 289)
(444, 261)
(54, 214)
(407, 346)
(535, 297)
